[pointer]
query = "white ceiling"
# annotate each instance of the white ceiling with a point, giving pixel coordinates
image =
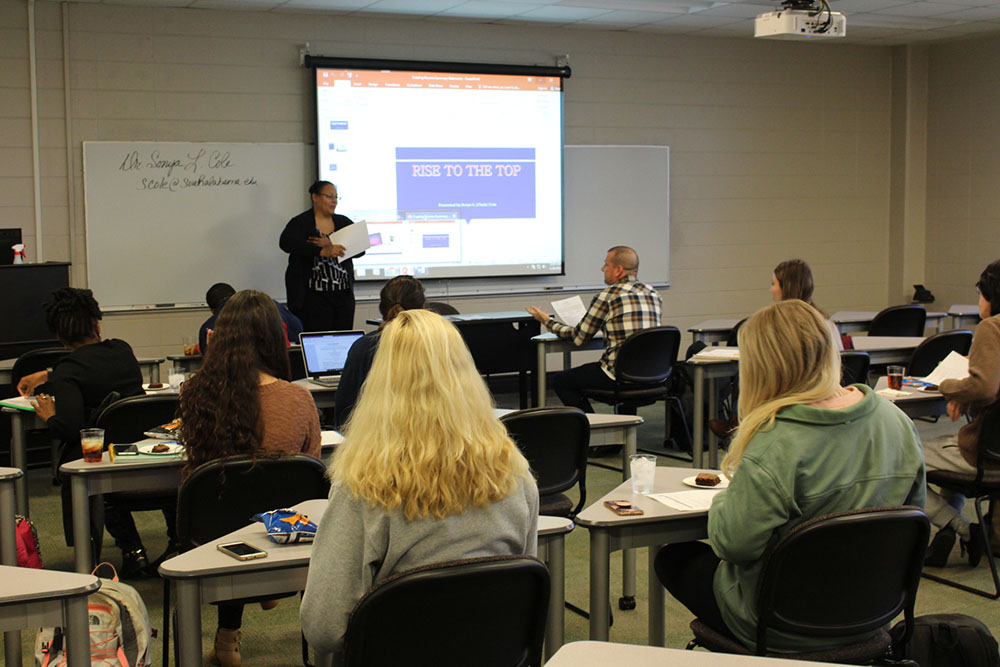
(884, 22)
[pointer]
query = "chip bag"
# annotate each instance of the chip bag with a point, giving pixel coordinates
(287, 526)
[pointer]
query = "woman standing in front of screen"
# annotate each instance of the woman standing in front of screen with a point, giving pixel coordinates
(319, 284)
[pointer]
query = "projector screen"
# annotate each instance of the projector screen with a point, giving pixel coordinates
(457, 174)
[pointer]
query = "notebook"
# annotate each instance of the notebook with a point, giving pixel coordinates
(325, 353)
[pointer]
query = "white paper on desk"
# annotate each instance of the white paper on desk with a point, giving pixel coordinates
(952, 367)
(330, 438)
(19, 402)
(354, 238)
(570, 310)
(718, 353)
(695, 500)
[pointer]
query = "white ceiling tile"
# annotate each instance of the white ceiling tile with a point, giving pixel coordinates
(410, 7)
(739, 11)
(918, 9)
(331, 5)
(972, 14)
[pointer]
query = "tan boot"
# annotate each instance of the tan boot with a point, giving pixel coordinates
(226, 651)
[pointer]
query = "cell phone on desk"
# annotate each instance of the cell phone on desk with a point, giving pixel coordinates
(622, 508)
(242, 551)
(125, 450)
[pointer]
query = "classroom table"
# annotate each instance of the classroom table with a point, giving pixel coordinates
(549, 342)
(712, 331)
(964, 316)
(150, 367)
(881, 349)
(322, 395)
(918, 403)
(849, 321)
(91, 479)
(659, 525)
(205, 575)
(33, 598)
(608, 654)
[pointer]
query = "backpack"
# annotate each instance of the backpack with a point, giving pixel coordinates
(29, 554)
(119, 629)
(949, 640)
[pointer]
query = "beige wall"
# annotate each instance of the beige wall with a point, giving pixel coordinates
(963, 173)
(778, 149)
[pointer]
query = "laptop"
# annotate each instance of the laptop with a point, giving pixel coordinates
(325, 353)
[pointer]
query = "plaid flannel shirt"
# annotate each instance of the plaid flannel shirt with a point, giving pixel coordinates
(619, 310)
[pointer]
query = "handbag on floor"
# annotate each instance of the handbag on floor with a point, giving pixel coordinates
(29, 554)
(949, 640)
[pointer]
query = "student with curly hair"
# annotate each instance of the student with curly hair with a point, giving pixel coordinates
(240, 403)
(426, 474)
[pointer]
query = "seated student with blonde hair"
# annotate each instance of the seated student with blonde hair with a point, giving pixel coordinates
(805, 447)
(426, 474)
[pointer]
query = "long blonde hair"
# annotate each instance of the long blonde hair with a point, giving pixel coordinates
(423, 435)
(787, 357)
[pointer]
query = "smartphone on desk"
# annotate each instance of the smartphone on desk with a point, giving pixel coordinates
(125, 450)
(242, 551)
(622, 508)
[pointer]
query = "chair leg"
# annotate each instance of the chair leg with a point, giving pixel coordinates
(983, 526)
(692, 645)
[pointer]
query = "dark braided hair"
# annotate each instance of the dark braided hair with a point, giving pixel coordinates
(72, 314)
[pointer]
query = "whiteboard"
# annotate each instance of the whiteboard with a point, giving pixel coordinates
(166, 220)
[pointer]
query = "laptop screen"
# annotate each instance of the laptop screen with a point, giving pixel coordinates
(325, 352)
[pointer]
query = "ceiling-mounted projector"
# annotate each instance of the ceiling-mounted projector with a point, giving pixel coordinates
(801, 19)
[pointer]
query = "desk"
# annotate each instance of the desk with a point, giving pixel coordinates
(964, 316)
(205, 575)
(91, 479)
(849, 321)
(549, 342)
(606, 654)
(150, 369)
(887, 349)
(918, 403)
(711, 331)
(659, 525)
(323, 396)
(35, 598)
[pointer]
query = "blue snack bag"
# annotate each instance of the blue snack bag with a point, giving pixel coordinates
(287, 526)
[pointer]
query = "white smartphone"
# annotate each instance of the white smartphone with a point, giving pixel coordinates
(242, 551)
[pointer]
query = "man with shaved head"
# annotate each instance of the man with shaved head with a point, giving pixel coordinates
(622, 308)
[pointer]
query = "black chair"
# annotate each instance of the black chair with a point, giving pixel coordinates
(296, 363)
(642, 370)
(127, 420)
(441, 308)
(32, 362)
(732, 340)
(983, 485)
(935, 348)
(910, 320)
(488, 612)
(854, 367)
(221, 496)
(835, 576)
(555, 441)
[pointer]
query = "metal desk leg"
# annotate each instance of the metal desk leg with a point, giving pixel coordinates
(540, 380)
(600, 568)
(657, 604)
(154, 373)
(18, 458)
(77, 631)
(713, 440)
(8, 556)
(555, 559)
(698, 416)
(627, 601)
(81, 524)
(188, 626)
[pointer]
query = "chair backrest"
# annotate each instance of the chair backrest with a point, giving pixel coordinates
(441, 308)
(909, 320)
(648, 356)
(127, 419)
(843, 574)
(488, 612)
(296, 363)
(854, 367)
(934, 349)
(221, 496)
(555, 441)
(732, 340)
(34, 361)
(988, 442)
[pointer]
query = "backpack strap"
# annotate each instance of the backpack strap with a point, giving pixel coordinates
(114, 572)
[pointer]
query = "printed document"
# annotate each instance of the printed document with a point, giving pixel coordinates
(952, 367)
(354, 238)
(570, 310)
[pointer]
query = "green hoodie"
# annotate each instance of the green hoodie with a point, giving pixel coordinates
(812, 462)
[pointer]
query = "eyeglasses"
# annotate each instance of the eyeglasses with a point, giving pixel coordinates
(330, 197)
